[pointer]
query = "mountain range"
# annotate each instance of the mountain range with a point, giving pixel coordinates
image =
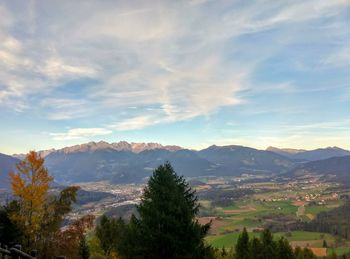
(102, 145)
(124, 162)
(310, 155)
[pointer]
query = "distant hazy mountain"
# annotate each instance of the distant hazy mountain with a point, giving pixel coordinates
(311, 155)
(122, 166)
(337, 168)
(125, 162)
(288, 152)
(7, 164)
(244, 159)
(130, 162)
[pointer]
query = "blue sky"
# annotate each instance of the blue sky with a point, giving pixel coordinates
(191, 73)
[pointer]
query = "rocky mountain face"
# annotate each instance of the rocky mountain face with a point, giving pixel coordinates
(102, 145)
(117, 146)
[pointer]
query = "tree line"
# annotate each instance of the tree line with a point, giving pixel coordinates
(335, 222)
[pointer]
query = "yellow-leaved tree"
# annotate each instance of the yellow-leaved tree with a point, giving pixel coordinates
(30, 184)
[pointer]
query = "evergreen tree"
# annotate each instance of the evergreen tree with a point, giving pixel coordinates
(284, 250)
(269, 249)
(84, 252)
(104, 234)
(255, 249)
(324, 244)
(111, 234)
(242, 245)
(167, 227)
(298, 253)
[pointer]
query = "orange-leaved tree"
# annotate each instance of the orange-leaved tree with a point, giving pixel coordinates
(30, 184)
(67, 240)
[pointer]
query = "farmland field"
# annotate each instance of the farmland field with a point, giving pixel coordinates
(271, 205)
(297, 238)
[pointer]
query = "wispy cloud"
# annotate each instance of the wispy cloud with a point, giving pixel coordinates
(80, 133)
(139, 122)
(170, 60)
(339, 58)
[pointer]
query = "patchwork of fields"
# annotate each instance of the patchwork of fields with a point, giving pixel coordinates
(276, 207)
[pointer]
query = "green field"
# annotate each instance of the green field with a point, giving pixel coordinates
(229, 240)
(248, 212)
(306, 236)
(315, 209)
(339, 250)
(270, 207)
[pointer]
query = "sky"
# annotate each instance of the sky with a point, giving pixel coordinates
(190, 73)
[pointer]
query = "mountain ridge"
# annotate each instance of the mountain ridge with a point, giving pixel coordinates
(334, 168)
(123, 162)
(311, 155)
(135, 147)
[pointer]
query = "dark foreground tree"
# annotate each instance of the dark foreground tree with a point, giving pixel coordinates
(284, 250)
(167, 225)
(10, 234)
(242, 246)
(111, 234)
(268, 247)
(84, 252)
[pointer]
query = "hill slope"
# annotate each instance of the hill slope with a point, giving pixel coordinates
(310, 155)
(246, 160)
(7, 164)
(337, 168)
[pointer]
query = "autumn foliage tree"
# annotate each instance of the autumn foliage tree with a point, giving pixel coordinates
(30, 184)
(68, 241)
(39, 214)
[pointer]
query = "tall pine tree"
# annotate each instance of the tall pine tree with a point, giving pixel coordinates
(84, 252)
(242, 246)
(166, 226)
(269, 248)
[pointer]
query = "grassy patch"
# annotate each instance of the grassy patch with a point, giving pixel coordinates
(339, 250)
(234, 206)
(315, 209)
(227, 240)
(247, 222)
(306, 236)
(230, 239)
